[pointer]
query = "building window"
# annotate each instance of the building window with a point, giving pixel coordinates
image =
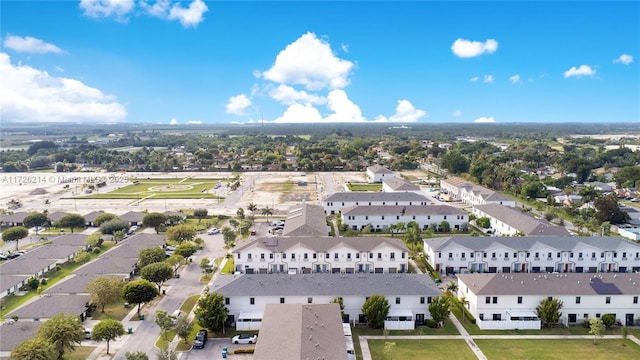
(335, 256)
(393, 256)
(635, 299)
(515, 255)
(519, 299)
(484, 254)
(248, 256)
(487, 300)
(357, 255)
(252, 301)
(227, 301)
(578, 299)
(571, 255)
(495, 299)
(403, 255)
(463, 255)
(306, 256)
(450, 255)
(615, 254)
(602, 255)
(558, 255)
(315, 255)
(326, 256)
(379, 256)
(281, 300)
(238, 255)
(607, 300)
(349, 256)
(261, 256)
(481, 316)
(309, 300)
(271, 256)
(370, 255)
(397, 300)
(382, 217)
(422, 299)
(429, 300)
(506, 255)
(439, 255)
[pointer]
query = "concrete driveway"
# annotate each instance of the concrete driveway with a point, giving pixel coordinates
(213, 350)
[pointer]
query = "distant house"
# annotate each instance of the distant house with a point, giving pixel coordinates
(459, 189)
(308, 255)
(381, 217)
(48, 306)
(508, 221)
(132, 217)
(336, 202)
(306, 220)
(90, 218)
(15, 219)
(174, 217)
(247, 295)
(378, 173)
(396, 184)
(54, 217)
(14, 334)
(509, 301)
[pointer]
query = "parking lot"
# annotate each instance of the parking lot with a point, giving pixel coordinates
(213, 350)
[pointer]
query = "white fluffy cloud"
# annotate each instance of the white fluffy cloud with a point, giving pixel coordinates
(194, 122)
(300, 113)
(173, 122)
(466, 48)
(29, 94)
(190, 16)
(488, 79)
(118, 9)
(405, 112)
(485, 120)
(474, 79)
(583, 70)
(624, 59)
(30, 44)
(515, 79)
(238, 104)
(456, 113)
(287, 95)
(310, 62)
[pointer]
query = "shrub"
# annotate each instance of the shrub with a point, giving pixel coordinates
(43, 282)
(96, 250)
(608, 320)
(113, 225)
(431, 324)
(33, 283)
(244, 351)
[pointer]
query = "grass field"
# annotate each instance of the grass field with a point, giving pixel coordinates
(423, 349)
(364, 187)
(617, 349)
(185, 188)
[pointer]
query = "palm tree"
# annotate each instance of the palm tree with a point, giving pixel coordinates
(452, 287)
(464, 302)
(252, 207)
(588, 193)
(266, 212)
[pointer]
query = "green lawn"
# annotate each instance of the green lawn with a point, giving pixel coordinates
(80, 353)
(559, 349)
(228, 266)
(115, 311)
(365, 187)
(423, 349)
(161, 189)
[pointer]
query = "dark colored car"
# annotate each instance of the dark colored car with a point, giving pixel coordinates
(200, 340)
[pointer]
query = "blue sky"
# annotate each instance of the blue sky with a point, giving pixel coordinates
(200, 61)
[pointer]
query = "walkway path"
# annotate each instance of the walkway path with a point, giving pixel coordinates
(467, 337)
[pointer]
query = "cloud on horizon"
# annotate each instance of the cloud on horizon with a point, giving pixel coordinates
(120, 10)
(29, 94)
(484, 120)
(624, 59)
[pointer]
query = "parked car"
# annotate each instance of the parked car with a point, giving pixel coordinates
(213, 231)
(253, 233)
(132, 230)
(200, 340)
(245, 339)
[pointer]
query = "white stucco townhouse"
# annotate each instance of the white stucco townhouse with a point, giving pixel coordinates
(378, 173)
(334, 203)
(509, 301)
(306, 255)
(509, 221)
(381, 217)
(535, 254)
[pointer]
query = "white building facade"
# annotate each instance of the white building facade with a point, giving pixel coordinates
(378, 173)
(306, 255)
(381, 217)
(335, 203)
(532, 254)
(509, 301)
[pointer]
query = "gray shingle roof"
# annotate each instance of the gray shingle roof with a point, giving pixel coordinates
(334, 285)
(402, 210)
(71, 239)
(524, 222)
(305, 220)
(400, 184)
(321, 244)
(302, 335)
(550, 284)
(14, 333)
(25, 266)
(45, 307)
(108, 265)
(17, 217)
(524, 243)
(51, 251)
(132, 216)
(56, 216)
(379, 169)
(9, 281)
(91, 217)
(73, 284)
(365, 197)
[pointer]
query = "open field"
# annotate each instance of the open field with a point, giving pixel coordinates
(365, 187)
(423, 349)
(559, 349)
(185, 188)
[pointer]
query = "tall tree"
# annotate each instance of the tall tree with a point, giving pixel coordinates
(240, 213)
(596, 328)
(107, 330)
(138, 292)
(181, 233)
(104, 290)
(157, 273)
(154, 220)
(175, 260)
(267, 211)
(185, 250)
(150, 255)
(211, 312)
(164, 322)
(205, 266)
(183, 327)
(72, 221)
(608, 209)
(34, 349)
(375, 310)
(63, 331)
(103, 218)
(36, 220)
(15, 234)
(549, 311)
(439, 309)
(252, 208)
(200, 214)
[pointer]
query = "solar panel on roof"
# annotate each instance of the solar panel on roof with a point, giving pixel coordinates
(603, 288)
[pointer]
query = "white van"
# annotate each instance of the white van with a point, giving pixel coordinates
(174, 317)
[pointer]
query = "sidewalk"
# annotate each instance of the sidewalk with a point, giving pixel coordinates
(116, 344)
